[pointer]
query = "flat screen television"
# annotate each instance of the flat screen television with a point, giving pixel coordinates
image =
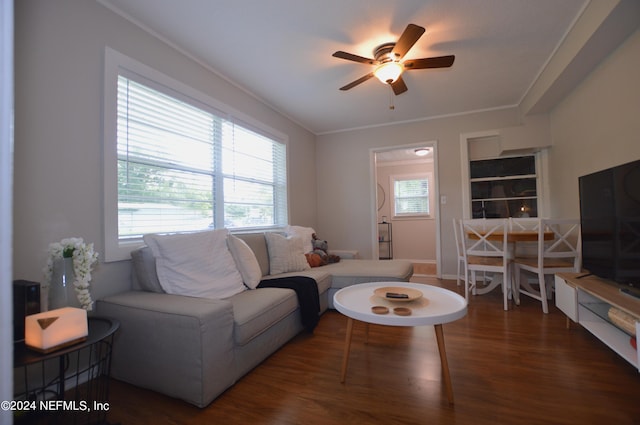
(610, 223)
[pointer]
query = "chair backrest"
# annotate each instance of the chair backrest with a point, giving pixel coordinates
(458, 237)
(485, 237)
(566, 243)
(521, 223)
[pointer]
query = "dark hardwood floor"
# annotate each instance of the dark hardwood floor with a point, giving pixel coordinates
(515, 367)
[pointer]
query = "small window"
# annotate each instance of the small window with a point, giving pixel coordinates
(411, 195)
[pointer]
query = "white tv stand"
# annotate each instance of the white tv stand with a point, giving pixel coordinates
(587, 301)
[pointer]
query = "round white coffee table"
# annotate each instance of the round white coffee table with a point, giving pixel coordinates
(434, 307)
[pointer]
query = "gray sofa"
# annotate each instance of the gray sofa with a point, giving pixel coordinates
(195, 348)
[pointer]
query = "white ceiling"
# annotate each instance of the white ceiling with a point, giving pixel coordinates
(280, 51)
(403, 155)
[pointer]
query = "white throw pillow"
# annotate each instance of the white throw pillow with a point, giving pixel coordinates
(304, 233)
(196, 264)
(285, 254)
(246, 261)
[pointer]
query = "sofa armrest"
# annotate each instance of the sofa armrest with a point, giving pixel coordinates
(179, 346)
(344, 253)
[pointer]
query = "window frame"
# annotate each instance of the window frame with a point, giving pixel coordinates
(491, 139)
(413, 176)
(118, 64)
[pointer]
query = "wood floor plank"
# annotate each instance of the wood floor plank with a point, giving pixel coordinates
(507, 367)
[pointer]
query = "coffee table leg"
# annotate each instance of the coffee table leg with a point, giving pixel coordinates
(347, 346)
(443, 361)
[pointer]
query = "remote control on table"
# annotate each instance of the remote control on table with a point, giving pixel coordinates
(396, 295)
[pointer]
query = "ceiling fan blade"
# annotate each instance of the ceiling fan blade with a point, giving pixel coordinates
(436, 62)
(351, 57)
(399, 86)
(356, 82)
(406, 41)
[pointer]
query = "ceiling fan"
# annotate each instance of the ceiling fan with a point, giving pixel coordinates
(389, 64)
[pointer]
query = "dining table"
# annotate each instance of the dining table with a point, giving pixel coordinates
(513, 237)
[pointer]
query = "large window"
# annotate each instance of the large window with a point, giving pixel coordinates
(183, 164)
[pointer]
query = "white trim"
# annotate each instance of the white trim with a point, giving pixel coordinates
(423, 119)
(436, 206)
(544, 191)
(465, 191)
(542, 171)
(112, 250)
(437, 209)
(115, 64)
(373, 192)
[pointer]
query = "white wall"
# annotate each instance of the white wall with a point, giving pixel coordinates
(345, 198)
(597, 126)
(6, 172)
(58, 134)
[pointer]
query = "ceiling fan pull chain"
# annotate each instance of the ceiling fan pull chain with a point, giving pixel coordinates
(391, 96)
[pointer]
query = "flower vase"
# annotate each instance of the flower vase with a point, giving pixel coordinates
(62, 291)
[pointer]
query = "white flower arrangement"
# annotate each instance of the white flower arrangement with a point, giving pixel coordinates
(84, 257)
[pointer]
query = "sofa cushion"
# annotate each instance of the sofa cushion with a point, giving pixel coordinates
(144, 270)
(258, 245)
(352, 272)
(254, 311)
(319, 274)
(286, 254)
(245, 261)
(195, 264)
(304, 233)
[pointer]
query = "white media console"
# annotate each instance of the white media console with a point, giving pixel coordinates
(598, 306)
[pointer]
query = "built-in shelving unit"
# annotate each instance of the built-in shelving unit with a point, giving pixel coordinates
(504, 187)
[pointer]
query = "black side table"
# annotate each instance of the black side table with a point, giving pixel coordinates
(68, 386)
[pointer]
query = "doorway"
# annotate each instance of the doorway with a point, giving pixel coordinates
(406, 211)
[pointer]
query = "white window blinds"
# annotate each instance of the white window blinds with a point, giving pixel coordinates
(411, 196)
(183, 167)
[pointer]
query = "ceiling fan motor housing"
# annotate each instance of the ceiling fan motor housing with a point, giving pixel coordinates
(383, 54)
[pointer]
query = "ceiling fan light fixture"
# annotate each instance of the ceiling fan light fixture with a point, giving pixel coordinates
(388, 72)
(389, 58)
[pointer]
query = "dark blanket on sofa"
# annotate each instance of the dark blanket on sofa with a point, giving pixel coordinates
(307, 291)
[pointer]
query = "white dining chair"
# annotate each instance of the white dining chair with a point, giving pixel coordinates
(486, 250)
(461, 261)
(524, 224)
(561, 254)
